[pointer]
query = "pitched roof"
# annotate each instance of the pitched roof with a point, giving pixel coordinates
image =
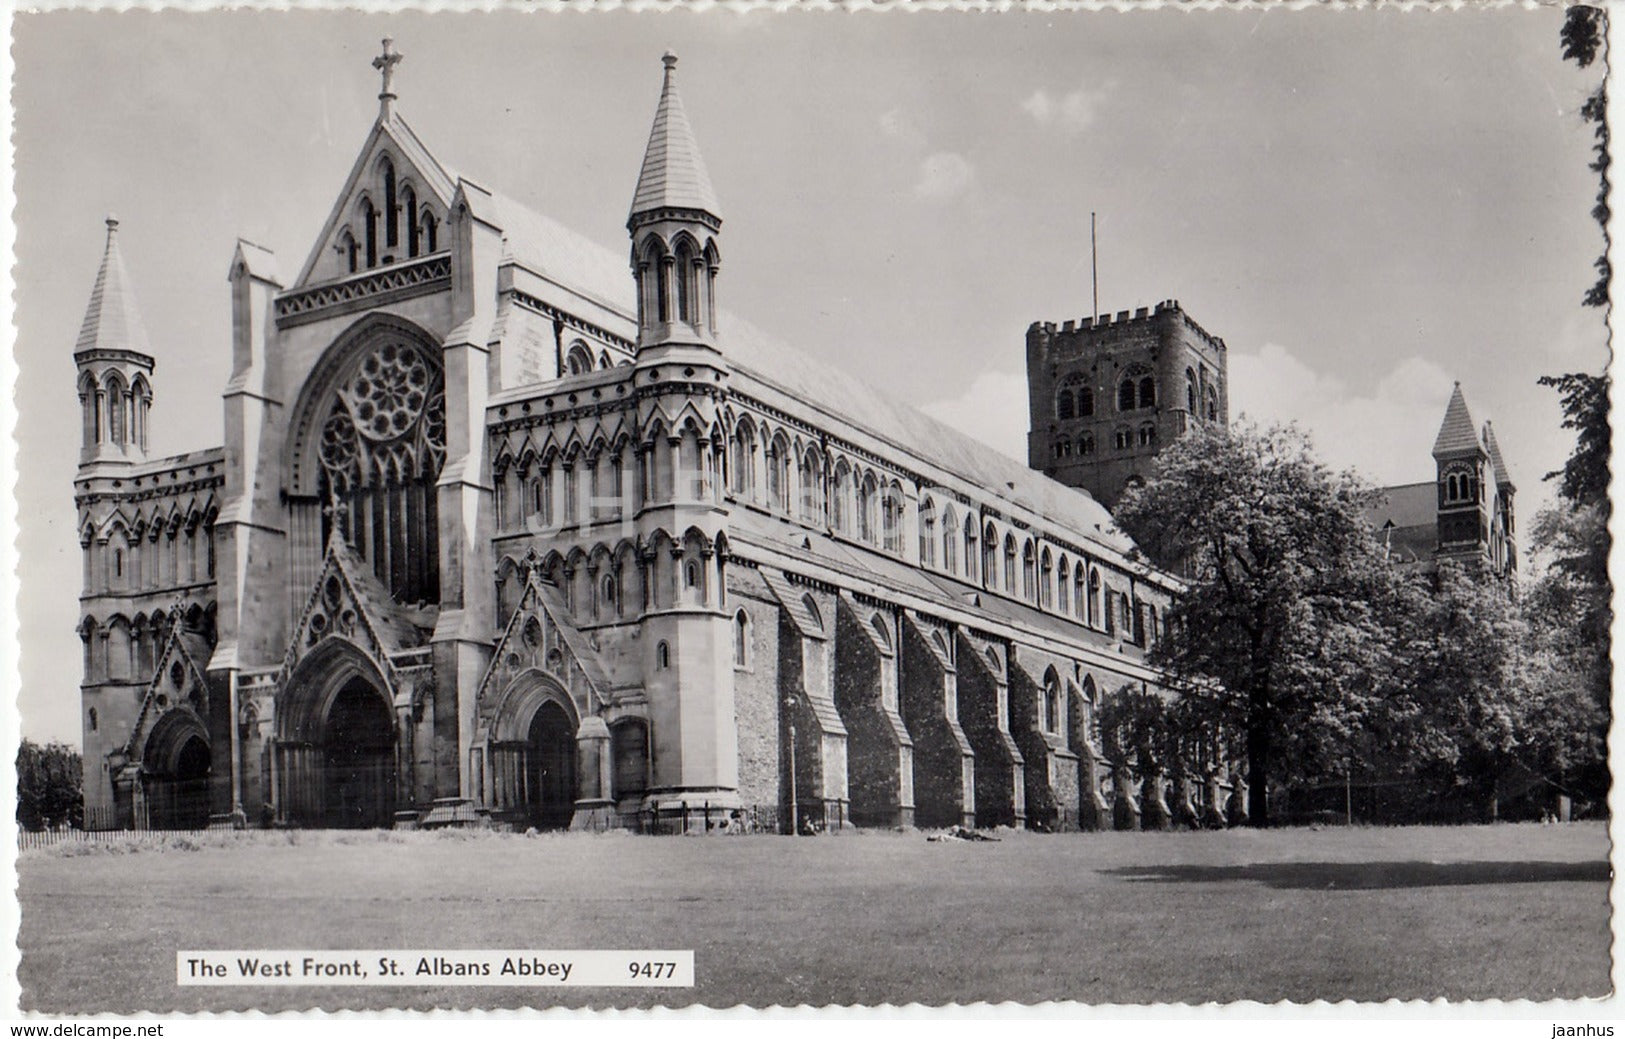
(111, 320)
(1457, 433)
(569, 258)
(673, 174)
(1502, 477)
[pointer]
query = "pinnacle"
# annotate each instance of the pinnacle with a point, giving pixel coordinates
(673, 174)
(111, 320)
(1457, 433)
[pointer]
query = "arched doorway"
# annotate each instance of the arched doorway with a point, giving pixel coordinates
(358, 759)
(175, 773)
(551, 777)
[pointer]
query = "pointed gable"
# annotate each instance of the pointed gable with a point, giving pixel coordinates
(111, 320)
(178, 679)
(1457, 434)
(673, 174)
(542, 636)
(350, 602)
(415, 168)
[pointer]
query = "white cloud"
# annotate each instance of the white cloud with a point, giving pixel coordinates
(943, 175)
(1386, 435)
(1073, 111)
(993, 409)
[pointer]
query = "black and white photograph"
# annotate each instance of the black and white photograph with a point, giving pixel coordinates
(711, 506)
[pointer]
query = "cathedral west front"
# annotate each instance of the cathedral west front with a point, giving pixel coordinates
(508, 527)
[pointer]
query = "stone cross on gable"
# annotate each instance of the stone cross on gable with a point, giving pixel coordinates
(385, 63)
(338, 511)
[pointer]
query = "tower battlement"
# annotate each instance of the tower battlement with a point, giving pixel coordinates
(1138, 316)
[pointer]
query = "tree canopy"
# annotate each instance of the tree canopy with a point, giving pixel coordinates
(48, 793)
(1283, 633)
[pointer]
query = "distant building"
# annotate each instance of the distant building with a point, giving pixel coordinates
(1465, 513)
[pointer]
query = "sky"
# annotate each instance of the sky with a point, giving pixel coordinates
(1366, 205)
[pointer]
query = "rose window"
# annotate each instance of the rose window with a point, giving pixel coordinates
(387, 394)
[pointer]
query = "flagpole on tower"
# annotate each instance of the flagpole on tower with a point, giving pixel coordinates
(1094, 265)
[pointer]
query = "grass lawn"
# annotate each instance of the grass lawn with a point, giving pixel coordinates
(1365, 914)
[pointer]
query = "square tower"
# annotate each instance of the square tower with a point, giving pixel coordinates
(1107, 393)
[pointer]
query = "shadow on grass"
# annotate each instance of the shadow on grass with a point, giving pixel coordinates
(1360, 876)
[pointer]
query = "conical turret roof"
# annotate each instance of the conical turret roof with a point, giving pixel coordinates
(1457, 434)
(111, 320)
(673, 174)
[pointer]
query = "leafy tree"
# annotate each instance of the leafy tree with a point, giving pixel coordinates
(48, 792)
(1284, 634)
(1457, 709)
(1583, 480)
(1584, 35)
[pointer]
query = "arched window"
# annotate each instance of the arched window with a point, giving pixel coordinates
(950, 539)
(684, 262)
(392, 232)
(1063, 404)
(741, 640)
(1086, 444)
(95, 721)
(115, 409)
(1063, 574)
(1190, 393)
(430, 228)
(1148, 435)
(1094, 598)
(990, 556)
(409, 205)
(1029, 573)
(1086, 402)
(348, 249)
(892, 518)
(369, 224)
(662, 656)
(1124, 438)
(1010, 564)
(1125, 394)
(928, 533)
(579, 360)
(1148, 392)
(1052, 701)
(970, 546)
(1046, 579)
(1212, 405)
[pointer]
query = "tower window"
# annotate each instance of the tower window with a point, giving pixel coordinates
(1086, 402)
(1125, 395)
(1148, 435)
(1086, 444)
(1148, 392)
(1124, 438)
(662, 656)
(95, 720)
(1063, 405)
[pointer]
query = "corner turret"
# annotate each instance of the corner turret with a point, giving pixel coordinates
(115, 366)
(674, 227)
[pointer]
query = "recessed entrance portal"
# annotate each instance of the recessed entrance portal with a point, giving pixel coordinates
(358, 759)
(178, 796)
(551, 778)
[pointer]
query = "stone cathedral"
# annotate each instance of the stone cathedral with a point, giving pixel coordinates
(511, 527)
